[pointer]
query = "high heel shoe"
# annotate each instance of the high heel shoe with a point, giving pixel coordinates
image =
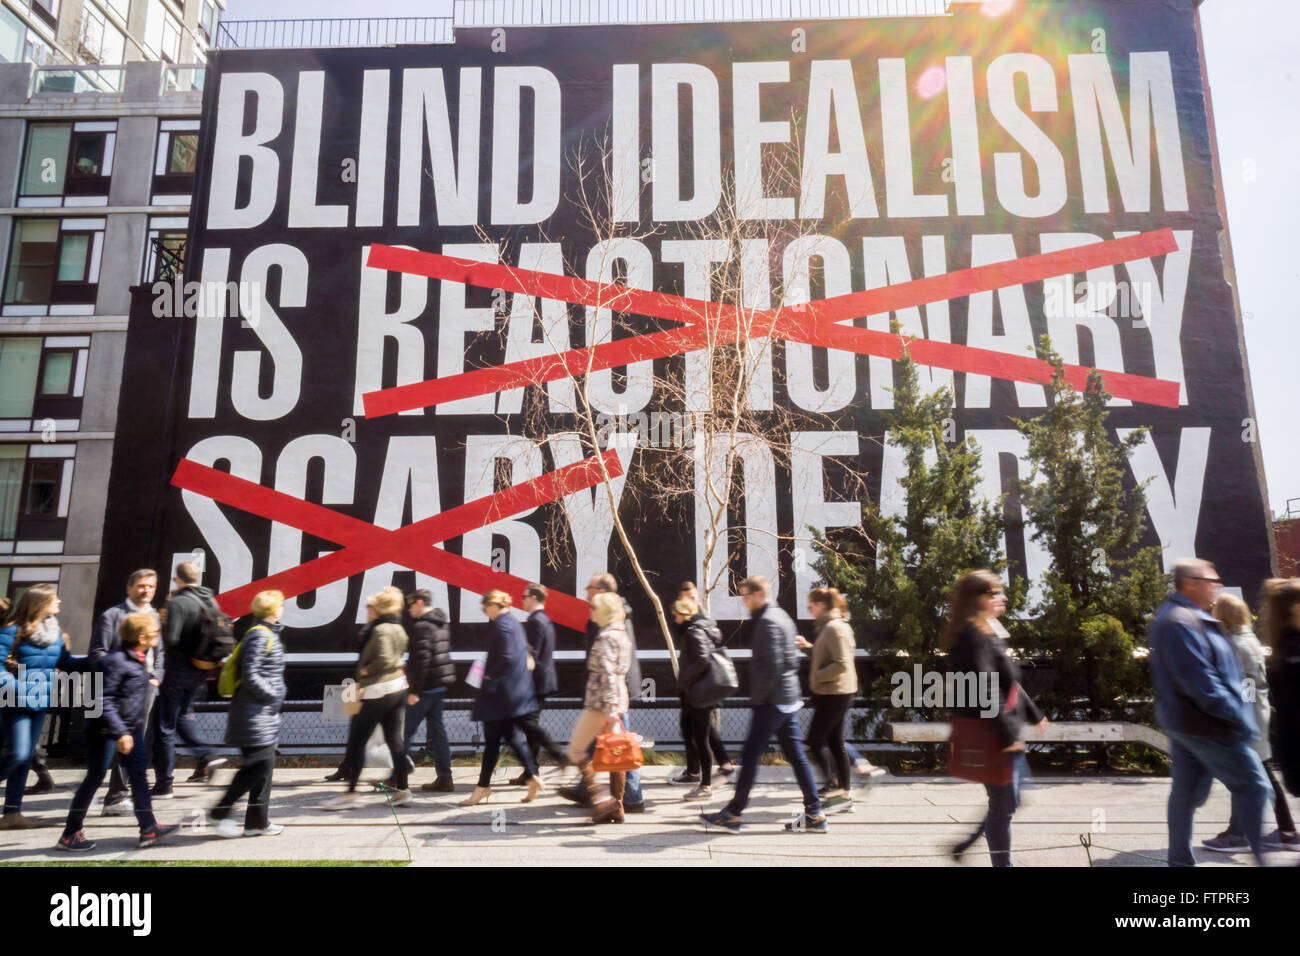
(535, 786)
(479, 795)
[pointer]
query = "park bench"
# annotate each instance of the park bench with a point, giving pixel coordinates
(1116, 732)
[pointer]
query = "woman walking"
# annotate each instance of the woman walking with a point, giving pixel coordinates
(120, 728)
(698, 638)
(506, 695)
(254, 721)
(1281, 626)
(32, 648)
(977, 599)
(382, 688)
(604, 699)
(833, 680)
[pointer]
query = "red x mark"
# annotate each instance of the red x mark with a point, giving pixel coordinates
(707, 324)
(366, 545)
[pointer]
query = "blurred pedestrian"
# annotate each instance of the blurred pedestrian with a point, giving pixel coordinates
(119, 730)
(605, 699)
(833, 681)
(1199, 704)
(540, 634)
(979, 598)
(1281, 626)
(381, 688)
(505, 696)
(253, 724)
(698, 638)
(430, 672)
(776, 700)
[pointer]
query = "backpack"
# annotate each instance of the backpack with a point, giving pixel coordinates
(216, 633)
(228, 680)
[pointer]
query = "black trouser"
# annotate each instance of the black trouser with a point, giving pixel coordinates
(538, 739)
(827, 732)
(493, 733)
(1281, 812)
(389, 711)
(253, 779)
(697, 735)
(716, 746)
(117, 782)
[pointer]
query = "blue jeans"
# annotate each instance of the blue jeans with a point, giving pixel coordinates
(174, 713)
(1197, 762)
(633, 792)
(1003, 801)
(765, 722)
(100, 749)
(22, 730)
(429, 709)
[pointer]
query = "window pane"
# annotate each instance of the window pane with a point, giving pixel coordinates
(11, 483)
(12, 34)
(121, 8)
(88, 153)
(31, 271)
(185, 150)
(72, 257)
(42, 500)
(4, 578)
(57, 378)
(20, 360)
(47, 155)
(114, 45)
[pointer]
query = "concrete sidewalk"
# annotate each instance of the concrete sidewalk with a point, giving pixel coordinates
(900, 822)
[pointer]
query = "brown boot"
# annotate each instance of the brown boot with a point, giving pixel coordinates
(583, 795)
(611, 810)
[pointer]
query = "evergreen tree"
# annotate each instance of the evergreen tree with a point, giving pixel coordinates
(1100, 584)
(899, 579)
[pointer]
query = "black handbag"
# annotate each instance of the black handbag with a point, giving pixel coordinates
(716, 684)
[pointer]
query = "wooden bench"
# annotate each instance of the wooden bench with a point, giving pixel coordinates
(1063, 733)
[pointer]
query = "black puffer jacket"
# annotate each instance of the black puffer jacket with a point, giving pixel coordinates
(125, 696)
(699, 637)
(429, 665)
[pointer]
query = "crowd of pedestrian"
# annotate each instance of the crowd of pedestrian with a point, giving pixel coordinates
(1217, 688)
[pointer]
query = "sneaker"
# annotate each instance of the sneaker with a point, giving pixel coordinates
(809, 825)
(162, 791)
(120, 807)
(400, 798)
(16, 821)
(156, 834)
(722, 820)
(1281, 841)
(340, 801)
(1226, 842)
(728, 770)
(439, 786)
(227, 828)
(75, 842)
(685, 777)
(699, 793)
(831, 790)
(203, 773)
(837, 805)
(271, 829)
(44, 784)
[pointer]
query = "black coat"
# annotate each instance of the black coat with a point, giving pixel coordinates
(975, 653)
(699, 638)
(126, 695)
(774, 668)
(106, 638)
(541, 640)
(1284, 689)
(633, 672)
(507, 689)
(428, 664)
(254, 718)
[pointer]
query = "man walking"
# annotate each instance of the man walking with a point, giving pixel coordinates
(193, 633)
(140, 588)
(541, 644)
(429, 672)
(1199, 704)
(776, 700)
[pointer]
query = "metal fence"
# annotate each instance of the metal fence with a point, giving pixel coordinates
(484, 13)
(321, 32)
(302, 730)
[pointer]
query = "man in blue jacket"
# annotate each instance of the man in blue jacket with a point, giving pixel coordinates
(776, 699)
(541, 644)
(1200, 704)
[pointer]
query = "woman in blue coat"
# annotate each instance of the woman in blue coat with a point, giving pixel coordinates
(34, 641)
(506, 695)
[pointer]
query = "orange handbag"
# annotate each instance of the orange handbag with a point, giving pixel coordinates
(616, 750)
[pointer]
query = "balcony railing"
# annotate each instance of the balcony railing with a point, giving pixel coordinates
(183, 79)
(80, 79)
(362, 31)
(485, 13)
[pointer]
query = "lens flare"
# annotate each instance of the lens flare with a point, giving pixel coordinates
(931, 82)
(995, 8)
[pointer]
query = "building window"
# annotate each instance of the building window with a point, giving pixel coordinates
(121, 7)
(208, 21)
(54, 267)
(100, 40)
(164, 253)
(162, 32)
(178, 153)
(46, 10)
(42, 382)
(35, 488)
(67, 164)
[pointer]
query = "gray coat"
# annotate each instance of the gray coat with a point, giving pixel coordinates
(254, 719)
(774, 668)
(1250, 654)
(106, 638)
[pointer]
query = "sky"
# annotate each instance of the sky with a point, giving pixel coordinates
(1251, 53)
